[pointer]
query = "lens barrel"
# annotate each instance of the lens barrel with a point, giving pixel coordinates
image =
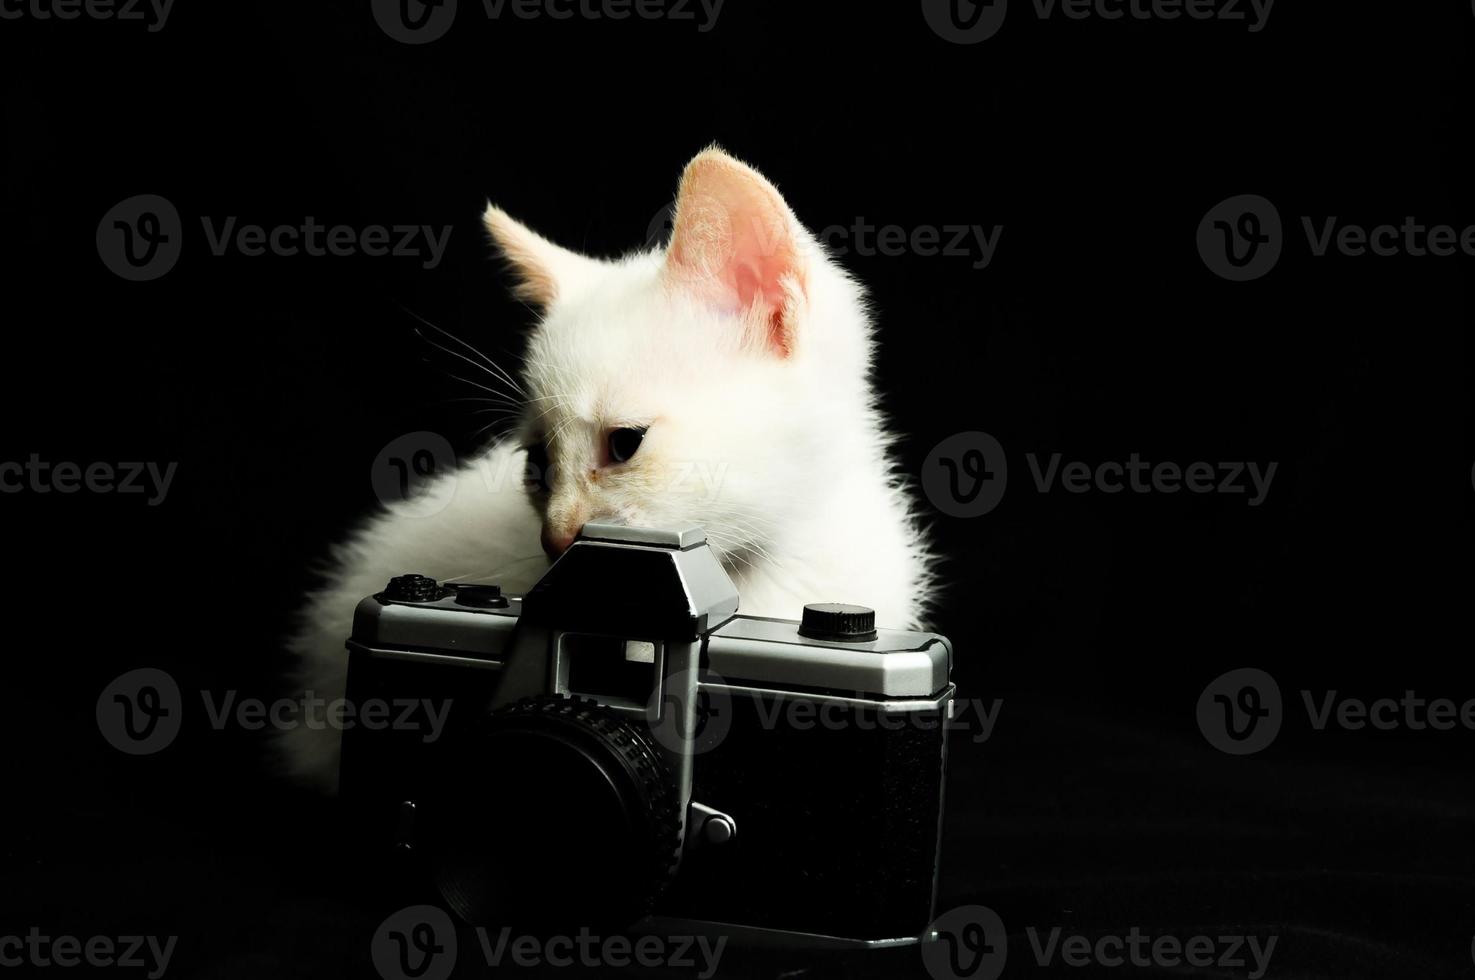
(551, 814)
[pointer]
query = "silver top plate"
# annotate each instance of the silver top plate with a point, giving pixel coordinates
(770, 652)
(680, 539)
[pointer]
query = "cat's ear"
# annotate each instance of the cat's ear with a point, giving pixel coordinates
(544, 270)
(736, 243)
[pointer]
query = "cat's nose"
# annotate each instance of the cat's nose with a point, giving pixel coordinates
(556, 543)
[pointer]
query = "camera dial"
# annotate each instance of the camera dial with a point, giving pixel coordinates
(412, 588)
(838, 621)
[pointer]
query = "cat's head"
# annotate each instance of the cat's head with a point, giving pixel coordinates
(720, 381)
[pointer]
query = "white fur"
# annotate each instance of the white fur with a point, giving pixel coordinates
(781, 456)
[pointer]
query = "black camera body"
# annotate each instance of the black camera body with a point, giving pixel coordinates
(621, 749)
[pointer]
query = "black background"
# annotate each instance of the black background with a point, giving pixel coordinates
(1097, 332)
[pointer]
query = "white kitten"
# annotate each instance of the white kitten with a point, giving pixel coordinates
(743, 356)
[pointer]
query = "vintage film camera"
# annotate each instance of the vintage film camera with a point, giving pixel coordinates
(621, 749)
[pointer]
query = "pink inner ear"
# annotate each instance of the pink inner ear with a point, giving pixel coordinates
(759, 250)
(734, 240)
(762, 290)
(759, 280)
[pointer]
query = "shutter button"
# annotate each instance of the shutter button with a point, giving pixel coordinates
(480, 596)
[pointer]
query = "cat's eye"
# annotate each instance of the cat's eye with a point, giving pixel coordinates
(624, 443)
(535, 473)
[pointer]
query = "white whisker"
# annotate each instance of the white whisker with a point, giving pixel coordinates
(492, 367)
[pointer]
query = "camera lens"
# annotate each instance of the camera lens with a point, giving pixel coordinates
(552, 814)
